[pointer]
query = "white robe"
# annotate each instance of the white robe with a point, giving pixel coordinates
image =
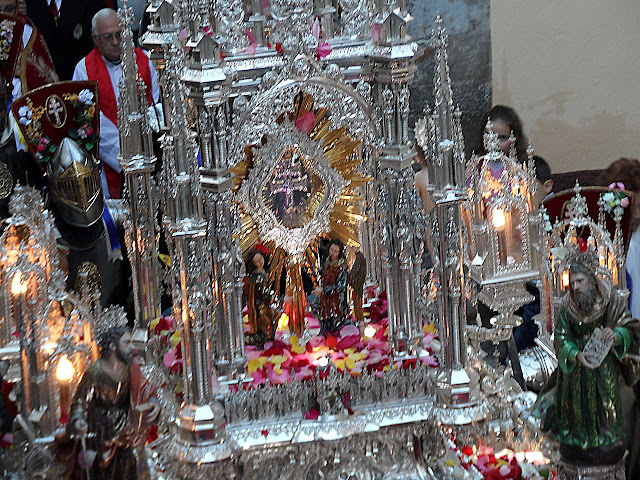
(109, 139)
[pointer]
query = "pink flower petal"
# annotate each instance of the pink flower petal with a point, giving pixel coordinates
(182, 35)
(311, 414)
(315, 342)
(429, 360)
(305, 373)
(170, 358)
(252, 354)
(305, 122)
(324, 50)
(505, 470)
(312, 323)
(258, 378)
(315, 29)
(349, 330)
(348, 342)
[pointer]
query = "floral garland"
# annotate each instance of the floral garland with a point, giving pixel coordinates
(6, 38)
(30, 118)
(85, 108)
(85, 136)
(482, 462)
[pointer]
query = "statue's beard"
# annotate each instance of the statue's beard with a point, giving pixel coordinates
(585, 301)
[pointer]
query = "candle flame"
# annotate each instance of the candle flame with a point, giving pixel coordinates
(565, 279)
(283, 322)
(498, 218)
(64, 370)
(17, 285)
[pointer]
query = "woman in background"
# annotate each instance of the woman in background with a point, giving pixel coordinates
(505, 121)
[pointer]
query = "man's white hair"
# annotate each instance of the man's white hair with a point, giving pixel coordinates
(100, 15)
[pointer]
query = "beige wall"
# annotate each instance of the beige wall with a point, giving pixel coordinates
(571, 68)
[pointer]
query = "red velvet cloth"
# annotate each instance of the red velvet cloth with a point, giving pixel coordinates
(556, 206)
(97, 70)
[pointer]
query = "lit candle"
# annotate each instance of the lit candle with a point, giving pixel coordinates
(565, 280)
(64, 374)
(18, 290)
(499, 221)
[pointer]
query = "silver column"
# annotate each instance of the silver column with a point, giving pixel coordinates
(392, 62)
(440, 136)
(208, 88)
(138, 163)
(200, 420)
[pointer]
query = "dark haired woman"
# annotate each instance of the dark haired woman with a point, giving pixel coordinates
(505, 121)
(334, 308)
(262, 308)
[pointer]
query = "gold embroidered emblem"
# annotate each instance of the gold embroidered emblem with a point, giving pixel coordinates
(56, 111)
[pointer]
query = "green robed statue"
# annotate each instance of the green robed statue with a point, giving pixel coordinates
(580, 405)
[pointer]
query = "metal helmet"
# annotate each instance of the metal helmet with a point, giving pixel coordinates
(74, 177)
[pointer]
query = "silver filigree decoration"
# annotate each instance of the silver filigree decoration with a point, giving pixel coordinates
(293, 240)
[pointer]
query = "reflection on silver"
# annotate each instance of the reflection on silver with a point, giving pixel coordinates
(265, 175)
(396, 424)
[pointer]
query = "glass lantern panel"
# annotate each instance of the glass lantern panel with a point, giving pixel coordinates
(507, 224)
(289, 189)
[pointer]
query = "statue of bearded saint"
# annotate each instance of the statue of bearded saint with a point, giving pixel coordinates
(581, 405)
(113, 408)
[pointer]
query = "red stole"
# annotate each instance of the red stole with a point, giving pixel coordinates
(97, 71)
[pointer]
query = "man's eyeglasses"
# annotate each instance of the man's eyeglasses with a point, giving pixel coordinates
(108, 37)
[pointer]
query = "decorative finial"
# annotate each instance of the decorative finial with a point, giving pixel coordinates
(490, 139)
(111, 317)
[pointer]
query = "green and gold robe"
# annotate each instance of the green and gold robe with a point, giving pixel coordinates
(581, 407)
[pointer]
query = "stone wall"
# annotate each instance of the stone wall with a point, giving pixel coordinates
(468, 25)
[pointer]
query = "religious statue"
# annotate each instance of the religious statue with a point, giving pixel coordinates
(596, 340)
(355, 279)
(262, 308)
(333, 308)
(111, 412)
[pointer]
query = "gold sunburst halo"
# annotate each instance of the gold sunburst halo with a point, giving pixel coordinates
(342, 152)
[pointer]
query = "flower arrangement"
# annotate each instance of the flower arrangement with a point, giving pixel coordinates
(614, 202)
(30, 118)
(285, 356)
(85, 110)
(348, 351)
(166, 344)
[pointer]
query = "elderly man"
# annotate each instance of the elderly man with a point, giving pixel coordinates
(581, 404)
(103, 65)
